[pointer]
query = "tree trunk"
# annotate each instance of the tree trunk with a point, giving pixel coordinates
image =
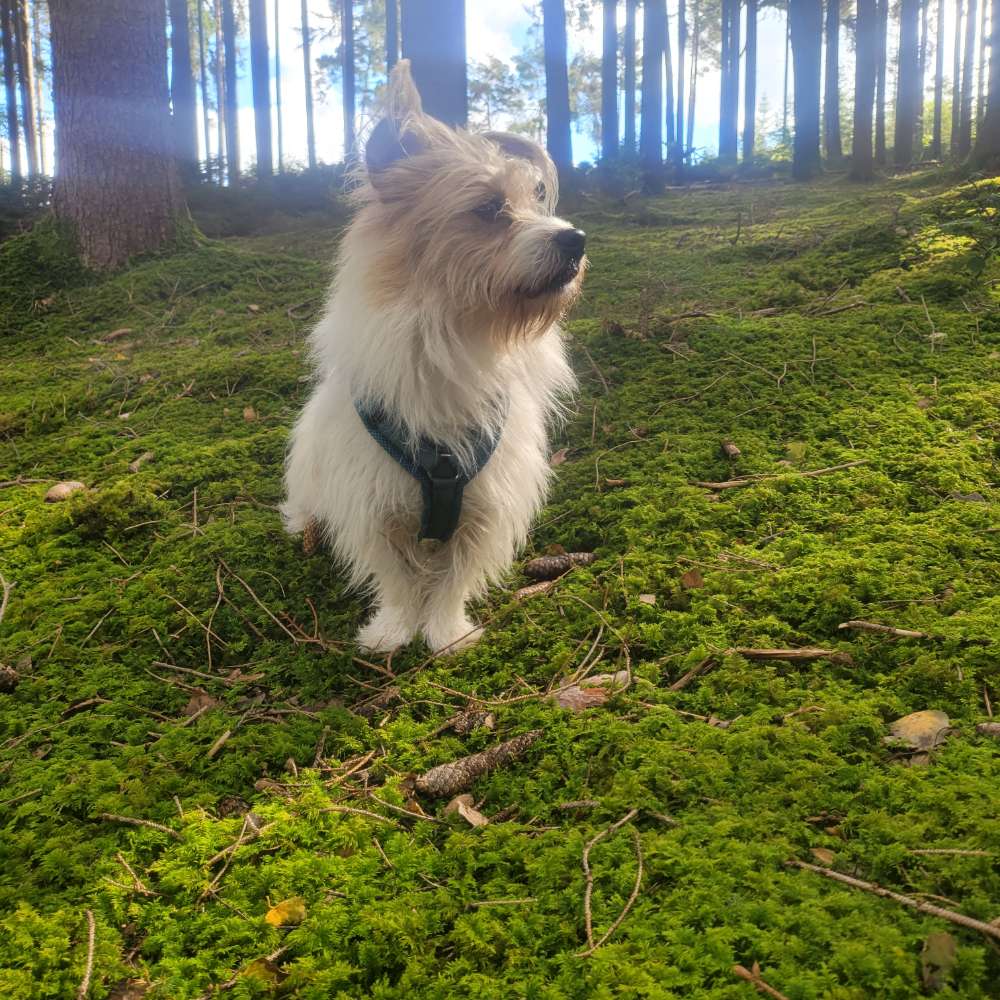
(116, 182)
(10, 89)
(807, 52)
(750, 85)
(906, 96)
(654, 29)
(882, 69)
(307, 74)
(557, 131)
(630, 76)
(347, 75)
(434, 42)
(922, 76)
(865, 71)
(220, 91)
(277, 88)
(987, 151)
(609, 83)
(36, 37)
(965, 129)
(938, 83)
(668, 69)
(391, 33)
(786, 135)
(681, 50)
(693, 90)
(983, 60)
(203, 77)
(26, 80)
(232, 97)
(956, 84)
(260, 75)
(831, 90)
(182, 96)
(730, 81)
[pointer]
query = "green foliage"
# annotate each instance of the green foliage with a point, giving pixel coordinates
(184, 564)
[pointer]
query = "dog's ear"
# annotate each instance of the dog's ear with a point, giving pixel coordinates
(521, 148)
(396, 136)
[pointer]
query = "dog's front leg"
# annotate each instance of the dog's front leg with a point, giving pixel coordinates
(446, 625)
(398, 600)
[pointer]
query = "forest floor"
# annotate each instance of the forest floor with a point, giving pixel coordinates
(180, 664)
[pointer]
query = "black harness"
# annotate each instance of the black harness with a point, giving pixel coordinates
(441, 476)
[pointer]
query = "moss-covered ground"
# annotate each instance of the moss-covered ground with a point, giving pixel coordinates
(164, 609)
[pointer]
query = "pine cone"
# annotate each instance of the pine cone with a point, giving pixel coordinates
(466, 722)
(9, 678)
(549, 567)
(450, 779)
(312, 536)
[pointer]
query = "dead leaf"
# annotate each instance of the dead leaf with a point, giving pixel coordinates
(692, 579)
(146, 456)
(62, 491)
(796, 450)
(287, 913)
(264, 971)
(647, 598)
(937, 959)
(924, 403)
(249, 413)
(253, 307)
(115, 335)
(199, 701)
(590, 692)
(920, 730)
(558, 457)
(463, 806)
(822, 855)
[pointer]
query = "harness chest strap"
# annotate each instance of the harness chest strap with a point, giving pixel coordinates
(441, 476)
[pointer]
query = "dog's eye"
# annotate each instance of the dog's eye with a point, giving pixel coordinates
(540, 191)
(490, 211)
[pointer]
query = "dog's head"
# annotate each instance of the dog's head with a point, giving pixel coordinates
(466, 220)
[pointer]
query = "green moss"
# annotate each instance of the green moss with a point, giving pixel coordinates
(121, 583)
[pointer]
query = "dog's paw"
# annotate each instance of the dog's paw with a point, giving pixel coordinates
(388, 630)
(445, 638)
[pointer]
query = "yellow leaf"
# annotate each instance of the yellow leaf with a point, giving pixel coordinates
(287, 912)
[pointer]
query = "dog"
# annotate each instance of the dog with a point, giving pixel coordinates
(438, 365)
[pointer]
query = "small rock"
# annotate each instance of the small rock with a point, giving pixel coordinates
(249, 413)
(62, 491)
(920, 730)
(647, 598)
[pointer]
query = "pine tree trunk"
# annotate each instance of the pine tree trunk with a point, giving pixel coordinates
(983, 60)
(922, 76)
(654, 29)
(865, 71)
(750, 85)
(609, 83)
(203, 78)
(557, 128)
(307, 74)
(906, 97)
(116, 182)
(232, 97)
(729, 81)
(965, 129)
(693, 90)
(831, 91)
(182, 96)
(277, 87)
(936, 147)
(260, 75)
(10, 89)
(786, 135)
(668, 69)
(347, 75)
(26, 80)
(434, 41)
(956, 84)
(682, 34)
(39, 66)
(391, 33)
(630, 76)
(882, 70)
(220, 91)
(987, 151)
(807, 53)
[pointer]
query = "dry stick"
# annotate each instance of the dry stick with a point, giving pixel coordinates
(694, 672)
(950, 850)
(991, 930)
(754, 978)
(133, 821)
(81, 993)
(904, 633)
(588, 894)
(137, 882)
(593, 364)
(805, 653)
(502, 902)
(365, 812)
(405, 812)
(256, 833)
(730, 484)
(7, 588)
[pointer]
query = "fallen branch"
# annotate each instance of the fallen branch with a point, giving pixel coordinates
(731, 484)
(695, 671)
(991, 930)
(133, 821)
(903, 633)
(793, 655)
(450, 779)
(753, 976)
(81, 993)
(7, 588)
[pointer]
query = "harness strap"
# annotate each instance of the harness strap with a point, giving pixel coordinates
(441, 476)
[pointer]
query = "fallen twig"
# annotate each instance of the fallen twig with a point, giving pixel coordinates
(133, 821)
(991, 930)
(695, 671)
(903, 633)
(81, 993)
(731, 484)
(950, 850)
(753, 976)
(7, 588)
(805, 653)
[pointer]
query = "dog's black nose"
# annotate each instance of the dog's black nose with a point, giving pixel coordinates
(571, 242)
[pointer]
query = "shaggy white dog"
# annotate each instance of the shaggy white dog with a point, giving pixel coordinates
(442, 322)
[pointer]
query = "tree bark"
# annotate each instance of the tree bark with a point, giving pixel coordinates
(831, 90)
(922, 76)
(260, 75)
(786, 135)
(882, 68)
(558, 140)
(865, 71)
(938, 83)
(956, 84)
(182, 96)
(668, 70)
(983, 60)
(729, 97)
(220, 90)
(116, 182)
(277, 87)
(654, 29)
(203, 77)
(693, 90)
(807, 51)
(434, 41)
(987, 151)
(609, 83)
(347, 75)
(36, 41)
(750, 85)
(682, 34)
(906, 96)
(10, 89)
(391, 33)
(307, 74)
(630, 75)
(965, 127)
(232, 97)
(26, 81)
